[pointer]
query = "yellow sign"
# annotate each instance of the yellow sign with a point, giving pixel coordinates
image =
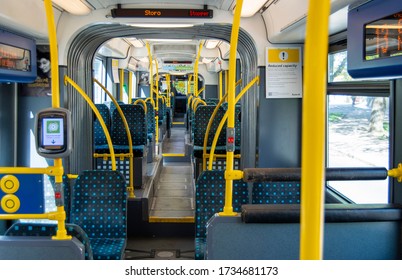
(283, 55)
(284, 73)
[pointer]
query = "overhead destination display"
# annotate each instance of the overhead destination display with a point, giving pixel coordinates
(375, 40)
(163, 13)
(383, 37)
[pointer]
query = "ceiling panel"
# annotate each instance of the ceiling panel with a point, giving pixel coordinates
(218, 4)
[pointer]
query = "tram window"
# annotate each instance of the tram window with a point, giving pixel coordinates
(358, 136)
(100, 75)
(337, 67)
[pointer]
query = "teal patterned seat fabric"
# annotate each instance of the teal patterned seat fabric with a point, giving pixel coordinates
(135, 116)
(200, 123)
(39, 229)
(237, 129)
(99, 206)
(212, 101)
(210, 199)
(276, 193)
(150, 121)
(162, 111)
(100, 142)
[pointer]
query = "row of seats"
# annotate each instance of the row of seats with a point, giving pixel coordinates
(201, 119)
(96, 209)
(135, 116)
(210, 199)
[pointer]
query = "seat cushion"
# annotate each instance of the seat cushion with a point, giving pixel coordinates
(108, 248)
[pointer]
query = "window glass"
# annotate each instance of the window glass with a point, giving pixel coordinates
(337, 67)
(358, 136)
(99, 74)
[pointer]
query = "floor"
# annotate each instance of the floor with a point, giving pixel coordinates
(173, 203)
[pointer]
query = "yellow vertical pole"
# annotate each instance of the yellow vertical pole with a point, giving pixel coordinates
(226, 80)
(220, 85)
(157, 101)
(197, 62)
(54, 56)
(228, 208)
(168, 89)
(130, 86)
(189, 83)
(313, 132)
(121, 85)
(151, 93)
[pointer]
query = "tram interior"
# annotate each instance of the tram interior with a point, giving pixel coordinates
(143, 135)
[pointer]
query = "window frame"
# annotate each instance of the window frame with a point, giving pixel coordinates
(369, 88)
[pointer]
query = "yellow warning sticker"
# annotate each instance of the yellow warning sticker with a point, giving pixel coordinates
(283, 55)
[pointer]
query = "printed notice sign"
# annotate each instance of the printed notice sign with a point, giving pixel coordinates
(284, 73)
(53, 132)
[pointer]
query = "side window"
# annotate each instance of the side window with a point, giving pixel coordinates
(100, 75)
(357, 130)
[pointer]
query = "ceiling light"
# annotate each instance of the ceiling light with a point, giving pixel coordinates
(170, 25)
(136, 42)
(211, 44)
(252, 7)
(170, 40)
(75, 7)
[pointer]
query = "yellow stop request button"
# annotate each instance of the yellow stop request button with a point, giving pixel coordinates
(9, 184)
(10, 203)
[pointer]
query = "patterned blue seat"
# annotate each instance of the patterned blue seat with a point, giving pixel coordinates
(39, 229)
(210, 199)
(150, 121)
(135, 116)
(162, 111)
(237, 129)
(276, 193)
(201, 119)
(99, 206)
(100, 142)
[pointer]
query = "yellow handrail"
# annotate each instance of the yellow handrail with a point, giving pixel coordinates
(151, 101)
(98, 115)
(220, 85)
(121, 72)
(204, 149)
(197, 60)
(50, 170)
(201, 90)
(188, 84)
(313, 131)
(189, 100)
(130, 188)
(130, 86)
(151, 93)
(228, 208)
(54, 64)
(218, 131)
(168, 89)
(143, 102)
(198, 103)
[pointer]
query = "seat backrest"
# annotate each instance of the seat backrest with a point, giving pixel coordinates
(210, 197)
(99, 135)
(200, 124)
(237, 126)
(135, 116)
(99, 203)
(39, 229)
(150, 117)
(276, 193)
